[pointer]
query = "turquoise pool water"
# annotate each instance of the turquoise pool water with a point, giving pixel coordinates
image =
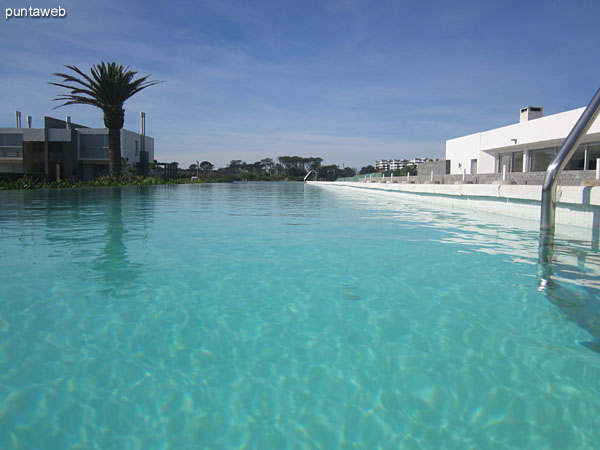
(286, 316)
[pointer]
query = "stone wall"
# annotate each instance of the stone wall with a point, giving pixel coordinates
(441, 167)
(567, 178)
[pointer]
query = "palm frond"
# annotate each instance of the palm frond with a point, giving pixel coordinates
(108, 85)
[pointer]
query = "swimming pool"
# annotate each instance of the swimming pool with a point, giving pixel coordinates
(282, 315)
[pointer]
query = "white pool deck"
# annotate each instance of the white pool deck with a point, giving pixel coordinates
(578, 206)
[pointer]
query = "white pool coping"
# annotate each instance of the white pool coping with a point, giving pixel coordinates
(577, 205)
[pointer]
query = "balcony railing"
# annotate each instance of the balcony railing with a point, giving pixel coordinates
(11, 152)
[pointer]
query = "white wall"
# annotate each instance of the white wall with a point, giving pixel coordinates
(150, 148)
(538, 133)
(128, 146)
(461, 151)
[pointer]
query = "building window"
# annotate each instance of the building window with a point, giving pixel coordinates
(540, 159)
(504, 159)
(93, 146)
(577, 161)
(517, 162)
(11, 145)
(513, 162)
(593, 153)
(136, 148)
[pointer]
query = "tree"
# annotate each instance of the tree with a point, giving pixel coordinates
(235, 166)
(411, 169)
(257, 168)
(107, 88)
(347, 172)
(312, 163)
(267, 164)
(366, 170)
(332, 172)
(206, 166)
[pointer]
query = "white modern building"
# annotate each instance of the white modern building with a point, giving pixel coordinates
(527, 146)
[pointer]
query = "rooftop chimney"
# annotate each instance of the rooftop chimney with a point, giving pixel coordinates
(530, 113)
(28, 121)
(143, 122)
(68, 122)
(143, 131)
(18, 118)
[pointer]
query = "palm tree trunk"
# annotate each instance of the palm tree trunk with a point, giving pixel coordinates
(114, 152)
(114, 117)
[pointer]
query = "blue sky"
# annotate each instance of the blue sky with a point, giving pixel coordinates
(350, 81)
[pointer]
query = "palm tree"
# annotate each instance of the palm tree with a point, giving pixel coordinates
(109, 85)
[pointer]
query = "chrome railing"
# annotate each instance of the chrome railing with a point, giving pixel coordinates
(549, 186)
(308, 174)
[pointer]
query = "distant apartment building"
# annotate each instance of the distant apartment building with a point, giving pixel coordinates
(65, 150)
(528, 146)
(387, 165)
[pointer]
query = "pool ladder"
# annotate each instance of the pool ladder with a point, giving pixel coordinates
(549, 186)
(308, 174)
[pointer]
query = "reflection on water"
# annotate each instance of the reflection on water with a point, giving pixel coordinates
(118, 273)
(86, 230)
(575, 262)
(571, 282)
(581, 305)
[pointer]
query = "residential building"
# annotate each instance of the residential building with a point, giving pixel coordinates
(387, 165)
(65, 150)
(527, 146)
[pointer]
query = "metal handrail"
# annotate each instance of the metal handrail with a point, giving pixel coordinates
(308, 174)
(549, 185)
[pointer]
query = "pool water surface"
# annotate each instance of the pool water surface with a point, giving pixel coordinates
(287, 316)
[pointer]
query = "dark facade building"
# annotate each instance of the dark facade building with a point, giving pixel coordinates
(66, 150)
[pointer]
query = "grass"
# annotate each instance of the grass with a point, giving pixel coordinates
(27, 183)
